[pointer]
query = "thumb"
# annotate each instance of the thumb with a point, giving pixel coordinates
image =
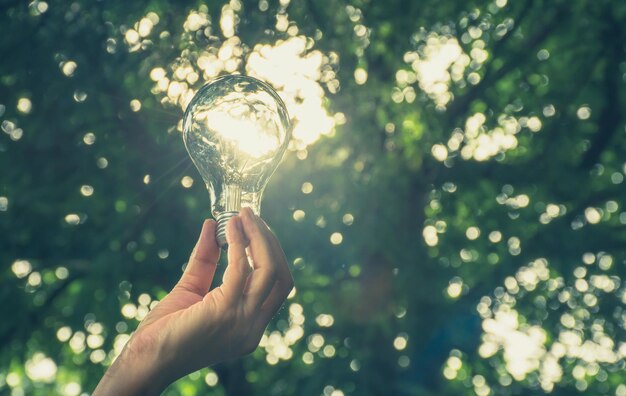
(199, 273)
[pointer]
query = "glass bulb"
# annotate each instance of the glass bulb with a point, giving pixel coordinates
(236, 130)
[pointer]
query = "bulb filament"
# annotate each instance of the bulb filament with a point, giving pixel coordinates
(232, 193)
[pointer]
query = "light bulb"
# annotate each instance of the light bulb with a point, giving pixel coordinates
(236, 130)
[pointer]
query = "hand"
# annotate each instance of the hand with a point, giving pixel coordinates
(192, 328)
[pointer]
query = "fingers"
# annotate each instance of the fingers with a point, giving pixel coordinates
(260, 247)
(199, 273)
(270, 282)
(284, 281)
(263, 277)
(275, 300)
(262, 290)
(282, 286)
(238, 266)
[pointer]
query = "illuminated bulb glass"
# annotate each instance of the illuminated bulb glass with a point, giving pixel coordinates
(236, 130)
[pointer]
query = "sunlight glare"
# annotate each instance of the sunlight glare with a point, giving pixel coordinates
(291, 66)
(41, 368)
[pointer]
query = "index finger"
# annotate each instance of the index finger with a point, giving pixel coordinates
(283, 274)
(284, 280)
(264, 261)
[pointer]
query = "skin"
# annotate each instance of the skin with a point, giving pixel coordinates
(193, 327)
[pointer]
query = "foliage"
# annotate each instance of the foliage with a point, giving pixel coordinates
(452, 203)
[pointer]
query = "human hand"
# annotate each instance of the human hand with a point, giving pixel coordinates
(192, 328)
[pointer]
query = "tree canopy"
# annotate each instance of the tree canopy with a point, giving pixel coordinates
(452, 202)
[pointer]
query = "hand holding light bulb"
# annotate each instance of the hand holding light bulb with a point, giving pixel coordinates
(192, 328)
(236, 130)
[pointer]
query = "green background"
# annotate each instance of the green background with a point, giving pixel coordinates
(454, 271)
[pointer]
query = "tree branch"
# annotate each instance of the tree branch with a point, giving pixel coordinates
(610, 115)
(24, 329)
(491, 75)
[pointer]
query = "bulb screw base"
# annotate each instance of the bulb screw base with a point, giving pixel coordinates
(220, 232)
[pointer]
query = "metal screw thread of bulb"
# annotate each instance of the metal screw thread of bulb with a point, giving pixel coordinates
(222, 221)
(232, 198)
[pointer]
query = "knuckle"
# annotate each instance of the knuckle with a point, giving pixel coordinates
(252, 228)
(188, 286)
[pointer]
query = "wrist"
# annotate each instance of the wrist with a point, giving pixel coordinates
(132, 373)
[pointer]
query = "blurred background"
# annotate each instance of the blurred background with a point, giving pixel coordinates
(451, 205)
